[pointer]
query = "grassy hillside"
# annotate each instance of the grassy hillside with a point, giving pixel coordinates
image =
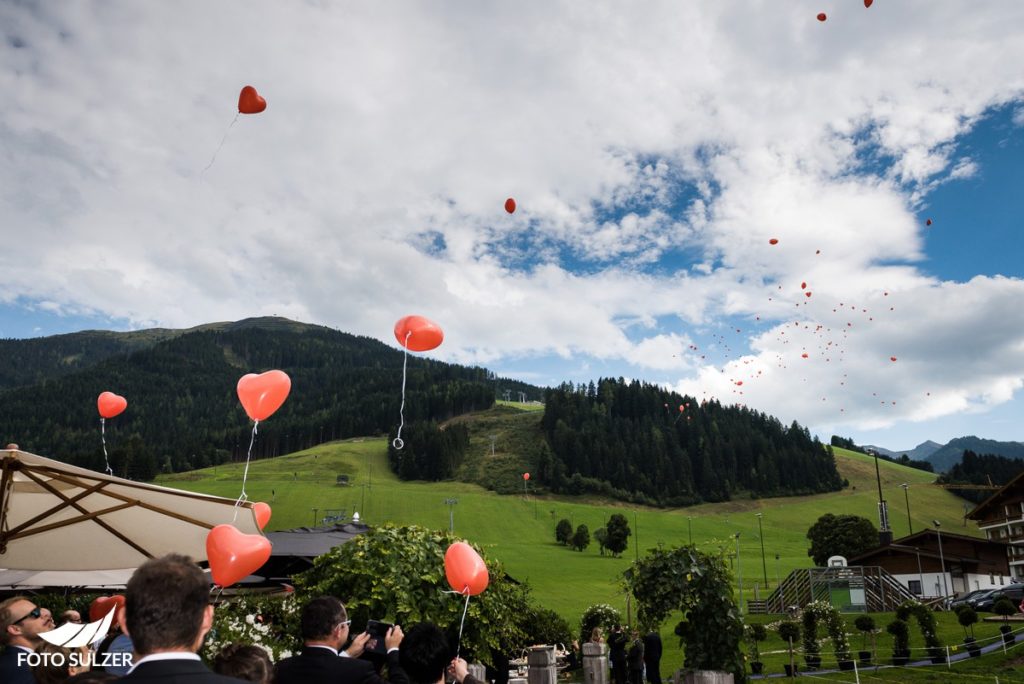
(520, 531)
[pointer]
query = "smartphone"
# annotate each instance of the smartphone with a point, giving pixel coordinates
(378, 631)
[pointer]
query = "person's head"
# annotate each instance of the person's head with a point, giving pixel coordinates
(324, 620)
(72, 616)
(57, 665)
(167, 606)
(242, 661)
(596, 634)
(21, 622)
(425, 653)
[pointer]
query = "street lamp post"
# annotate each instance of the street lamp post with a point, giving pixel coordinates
(739, 571)
(450, 502)
(764, 565)
(906, 495)
(942, 559)
(315, 512)
(689, 526)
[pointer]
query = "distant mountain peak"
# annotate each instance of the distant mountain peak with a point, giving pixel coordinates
(919, 453)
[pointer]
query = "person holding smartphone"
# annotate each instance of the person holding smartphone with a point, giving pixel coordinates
(325, 629)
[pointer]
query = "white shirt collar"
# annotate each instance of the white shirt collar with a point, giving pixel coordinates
(173, 655)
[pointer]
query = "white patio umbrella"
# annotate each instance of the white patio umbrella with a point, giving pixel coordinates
(55, 516)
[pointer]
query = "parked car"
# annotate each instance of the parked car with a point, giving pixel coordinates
(1014, 592)
(975, 601)
(965, 599)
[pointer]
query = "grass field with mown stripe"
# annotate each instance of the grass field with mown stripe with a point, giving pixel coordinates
(519, 530)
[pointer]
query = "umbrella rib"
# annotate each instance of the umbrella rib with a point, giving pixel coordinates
(59, 507)
(66, 523)
(9, 464)
(56, 472)
(142, 504)
(46, 485)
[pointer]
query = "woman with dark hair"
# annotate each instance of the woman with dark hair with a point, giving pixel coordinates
(241, 661)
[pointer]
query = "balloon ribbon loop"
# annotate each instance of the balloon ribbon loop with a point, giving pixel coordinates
(397, 442)
(245, 475)
(103, 438)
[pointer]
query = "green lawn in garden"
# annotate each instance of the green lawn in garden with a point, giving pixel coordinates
(519, 530)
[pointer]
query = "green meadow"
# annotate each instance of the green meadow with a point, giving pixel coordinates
(519, 529)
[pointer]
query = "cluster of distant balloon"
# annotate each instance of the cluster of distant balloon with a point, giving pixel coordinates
(831, 338)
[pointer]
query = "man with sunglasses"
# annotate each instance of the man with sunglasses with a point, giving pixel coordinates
(21, 622)
(325, 629)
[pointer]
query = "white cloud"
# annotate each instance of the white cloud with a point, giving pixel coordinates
(373, 184)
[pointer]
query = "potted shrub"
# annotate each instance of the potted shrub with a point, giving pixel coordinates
(790, 632)
(968, 617)
(866, 625)
(1005, 607)
(900, 641)
(756, 633)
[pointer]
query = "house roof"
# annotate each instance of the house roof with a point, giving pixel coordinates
(1013, 487)
(927, 542)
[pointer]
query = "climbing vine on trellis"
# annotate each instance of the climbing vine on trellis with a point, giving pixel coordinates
(699, 585)
(821, 611)
(926, 622)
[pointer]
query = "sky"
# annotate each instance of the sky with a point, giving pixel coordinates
(654, 151)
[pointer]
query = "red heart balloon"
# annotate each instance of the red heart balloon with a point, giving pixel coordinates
(263, 394)
(250, 102)
(234, 555)
(417, 333)
(510, 205)
(110, 404)
(262, 512)
(100, 606)
(526, 476)
(465, 569)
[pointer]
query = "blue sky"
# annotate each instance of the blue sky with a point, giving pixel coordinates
(653, 156)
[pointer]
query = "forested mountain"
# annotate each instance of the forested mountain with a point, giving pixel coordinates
(183, 412)
(944, 458)
(981, 469)
(919, 453)
(630, 440)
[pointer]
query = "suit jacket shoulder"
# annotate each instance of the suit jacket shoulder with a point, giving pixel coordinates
(176, 672)
(317, 665)
(10, 673)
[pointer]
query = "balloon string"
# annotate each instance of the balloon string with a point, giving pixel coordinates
(462, 622)
(222, 141)
(245, 475)
(103, 438)
(397, 442)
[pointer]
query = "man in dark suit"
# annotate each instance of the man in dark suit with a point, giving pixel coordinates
(21, 621)
(325, 629)
(652, 656)
(167, 613)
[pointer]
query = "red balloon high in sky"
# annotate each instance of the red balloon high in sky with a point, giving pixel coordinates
(250, 102)
(510, 205)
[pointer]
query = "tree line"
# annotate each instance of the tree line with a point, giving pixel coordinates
(979, 469)
(630, 440)
(183, 412)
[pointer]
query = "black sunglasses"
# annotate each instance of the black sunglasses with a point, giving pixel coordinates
(34, 613)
